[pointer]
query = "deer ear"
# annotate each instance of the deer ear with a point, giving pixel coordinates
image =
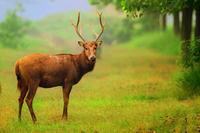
(99, 43)
(81, 43)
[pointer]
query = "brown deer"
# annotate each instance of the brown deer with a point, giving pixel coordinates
(66, 70)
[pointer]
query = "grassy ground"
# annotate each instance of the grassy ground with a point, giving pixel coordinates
(130, 90)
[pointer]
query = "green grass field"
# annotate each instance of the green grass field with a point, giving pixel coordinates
(131, 90)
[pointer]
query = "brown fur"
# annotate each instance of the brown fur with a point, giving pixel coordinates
(48, 71)
(51, 70)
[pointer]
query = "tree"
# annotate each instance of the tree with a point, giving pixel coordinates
(170, 6)
(164, 21)
(176, 22)
(186, 36)
(196, 53)
(12, 29)
(100, 3)
(119, 30)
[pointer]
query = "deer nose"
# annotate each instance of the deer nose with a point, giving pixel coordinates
(93, 58)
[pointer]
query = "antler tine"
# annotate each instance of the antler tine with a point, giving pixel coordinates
(76, 27)
(102, 26)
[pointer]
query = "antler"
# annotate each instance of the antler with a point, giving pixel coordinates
(102, 26)
(76, 27)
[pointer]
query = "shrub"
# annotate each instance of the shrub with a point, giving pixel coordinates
(12, 30)
(189, 81)
(196, 52)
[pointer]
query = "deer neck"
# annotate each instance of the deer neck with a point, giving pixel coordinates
(83, 64)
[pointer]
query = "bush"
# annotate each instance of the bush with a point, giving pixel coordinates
(189, 81)
(12, 30)
(196, 52)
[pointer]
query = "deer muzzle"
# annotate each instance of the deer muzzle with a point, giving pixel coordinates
(92, 58)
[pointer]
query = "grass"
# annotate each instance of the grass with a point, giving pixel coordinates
(130, 90)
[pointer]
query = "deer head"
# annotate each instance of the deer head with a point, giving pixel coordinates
(89, 46)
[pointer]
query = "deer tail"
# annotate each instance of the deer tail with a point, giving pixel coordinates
(18, 75)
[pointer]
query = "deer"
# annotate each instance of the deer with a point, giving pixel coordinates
(47, 71)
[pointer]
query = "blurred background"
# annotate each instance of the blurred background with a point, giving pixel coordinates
(147, 76)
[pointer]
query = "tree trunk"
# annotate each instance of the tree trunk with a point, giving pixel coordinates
(197, 27)
(197, 37)
(176, 23)
(186, 36)
(164, 22)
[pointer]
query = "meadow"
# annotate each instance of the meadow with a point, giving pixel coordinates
(132, 89)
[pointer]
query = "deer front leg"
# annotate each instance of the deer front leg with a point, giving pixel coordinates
(66, 92)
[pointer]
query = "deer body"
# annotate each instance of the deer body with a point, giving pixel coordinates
(49, 71)
(53, 70)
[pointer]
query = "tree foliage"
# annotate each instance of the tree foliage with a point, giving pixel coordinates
(117, 3)
(119, 30)
(12, 29)
(136, 7)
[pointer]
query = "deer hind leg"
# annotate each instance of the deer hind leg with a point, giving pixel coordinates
(66, 92)
(29, 99)
(23, 91)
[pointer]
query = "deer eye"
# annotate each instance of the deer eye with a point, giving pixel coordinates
(95, 48)
(86, 48)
